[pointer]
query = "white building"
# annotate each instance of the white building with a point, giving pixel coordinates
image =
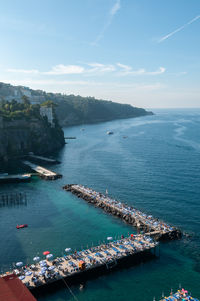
(48, 112)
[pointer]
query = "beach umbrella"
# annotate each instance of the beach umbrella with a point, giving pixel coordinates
(36, 259)
(132, 235)
(51, 268)
(21, 277)
(46, 252)
(49, 256)
(19, 264)
(43, 269)
(109, 238)
(67, 250)
(42, 273)
(29, 273)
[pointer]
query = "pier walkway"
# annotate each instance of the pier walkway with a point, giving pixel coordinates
(43, 172)
(82, 263)
(142, 221)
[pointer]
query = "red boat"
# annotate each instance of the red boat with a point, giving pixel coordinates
(21, 226)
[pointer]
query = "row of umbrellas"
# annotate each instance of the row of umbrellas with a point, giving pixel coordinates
(49, 256)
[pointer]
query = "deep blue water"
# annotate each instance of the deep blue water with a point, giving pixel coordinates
(156, 169)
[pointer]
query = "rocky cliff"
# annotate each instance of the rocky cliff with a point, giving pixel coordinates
(19, 137)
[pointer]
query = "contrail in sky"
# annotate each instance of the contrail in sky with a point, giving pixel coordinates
(178, 29)
(112, 13)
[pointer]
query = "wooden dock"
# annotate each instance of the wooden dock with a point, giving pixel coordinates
(94, 261)
(147, 223)
(44, 173)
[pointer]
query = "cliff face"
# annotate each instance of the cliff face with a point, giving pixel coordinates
(20, 137)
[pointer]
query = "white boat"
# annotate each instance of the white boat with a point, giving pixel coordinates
(110, 133)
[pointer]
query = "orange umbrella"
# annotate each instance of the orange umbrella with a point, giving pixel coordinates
(46, 253)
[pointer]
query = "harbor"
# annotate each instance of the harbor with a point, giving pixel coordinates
(44, 173)
(78, 265)
(144, 222)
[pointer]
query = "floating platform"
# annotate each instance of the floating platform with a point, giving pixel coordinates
(6, 178)
(180, 295)
(147, 223)
(44, 173)
(78, 266)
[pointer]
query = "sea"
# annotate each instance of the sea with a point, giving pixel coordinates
(151, 163)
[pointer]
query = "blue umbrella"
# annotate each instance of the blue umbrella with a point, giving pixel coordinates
(49, 256)
(51, 268)
(42, 273)
(36, 259)
(19, 264)
(21, 277)
(29, 273)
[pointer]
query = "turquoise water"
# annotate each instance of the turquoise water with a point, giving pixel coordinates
(156, 169)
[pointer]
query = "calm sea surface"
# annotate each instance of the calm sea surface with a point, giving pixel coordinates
(156, 169)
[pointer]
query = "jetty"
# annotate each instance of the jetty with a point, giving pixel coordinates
(143, 222)
(180, 295)
(44, 173)
(78, 265)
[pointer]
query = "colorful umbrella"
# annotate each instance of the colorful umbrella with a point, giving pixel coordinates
(68, 250)
(19, 264)
(36, 259)
(46, 252)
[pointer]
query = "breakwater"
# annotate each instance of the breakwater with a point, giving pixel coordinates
(76, 266)
(147, 223)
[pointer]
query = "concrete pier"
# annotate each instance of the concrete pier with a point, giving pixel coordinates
(77, 266)
(44, 173)
(147, 223)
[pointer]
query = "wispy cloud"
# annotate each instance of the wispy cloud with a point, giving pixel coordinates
(128, 70)
(65, 69)
(100, 68)
(178, 29)
(91, 69)
(115, 8)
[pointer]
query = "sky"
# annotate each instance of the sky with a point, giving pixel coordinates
(145, 53)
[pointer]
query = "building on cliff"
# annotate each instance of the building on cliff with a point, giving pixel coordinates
(46, 111)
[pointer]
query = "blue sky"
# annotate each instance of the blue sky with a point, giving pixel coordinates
(142, 52)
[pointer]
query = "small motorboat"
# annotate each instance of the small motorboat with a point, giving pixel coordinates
(21, 226)
(110, 133)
